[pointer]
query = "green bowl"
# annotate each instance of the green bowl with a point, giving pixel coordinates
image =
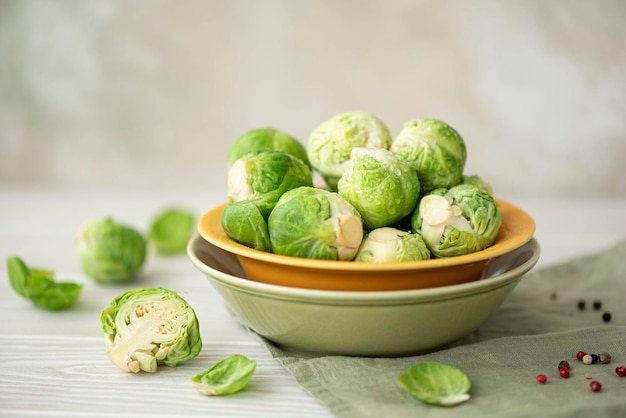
(354, 323)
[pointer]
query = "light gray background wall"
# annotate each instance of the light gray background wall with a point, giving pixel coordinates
(145, 94)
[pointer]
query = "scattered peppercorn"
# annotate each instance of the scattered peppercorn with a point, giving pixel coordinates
(597, 305)
(606, 317)
(595, 385)
(587, 359)
(541, 378)
(595, 358)
(564, 364)
(604, 357)
(621, 371)
(564, 372)
(580, 355)
(581, 305)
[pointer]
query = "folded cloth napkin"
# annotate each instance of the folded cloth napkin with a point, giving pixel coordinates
(541, 323)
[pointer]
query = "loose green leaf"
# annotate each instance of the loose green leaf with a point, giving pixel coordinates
(171, 230)
(226, 376)
(39, 287)
(436, 383)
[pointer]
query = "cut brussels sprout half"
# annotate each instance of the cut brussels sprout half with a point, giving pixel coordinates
(436, 383)
(147, 326)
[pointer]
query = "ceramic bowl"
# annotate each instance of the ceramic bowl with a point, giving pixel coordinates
(516, 230)
(355, 323)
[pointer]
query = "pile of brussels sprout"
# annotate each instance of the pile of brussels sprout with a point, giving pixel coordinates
(384, 199)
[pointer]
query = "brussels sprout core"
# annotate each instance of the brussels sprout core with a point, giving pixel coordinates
(437, 213)
(382, 243)
(238, 187)
(349, 235)
(144, 327)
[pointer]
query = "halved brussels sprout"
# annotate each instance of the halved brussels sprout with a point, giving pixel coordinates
(110, 252)
(315, 223)
(263, 177)
(243, 222)
(266, 139)
(387, 244)
(330, 143)
(144, 327)
(461, 220)
(382, 187)
(434, 149)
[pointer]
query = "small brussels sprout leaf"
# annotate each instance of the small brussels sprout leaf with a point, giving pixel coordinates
(110, 252)
(382, 187)
(389, 244)
(435, 150)
(315, 223)
(330, 143)
(144, 327)
(225, 377)
(266, 139)
(171, 230)
(243, 222)
(436, 383)
(262, 178)
(39, 287)
(461, 220)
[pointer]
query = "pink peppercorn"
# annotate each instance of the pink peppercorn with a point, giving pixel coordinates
(541, 378)
(621, 371)
(580, 355)
(564, 372)
(595, 385)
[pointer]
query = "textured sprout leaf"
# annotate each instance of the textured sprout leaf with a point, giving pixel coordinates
(39, 287)
(144, 327)
(266, 139)
(226, 376)
(171, 230)
(436, 383)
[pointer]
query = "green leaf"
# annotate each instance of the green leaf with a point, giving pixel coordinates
(226, 376)
(436, 383)
(39, 287)
(171, 230)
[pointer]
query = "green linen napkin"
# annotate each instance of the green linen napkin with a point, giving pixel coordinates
(540, 324)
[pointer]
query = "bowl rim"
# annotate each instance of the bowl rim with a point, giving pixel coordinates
(383, 297)
(509, 237)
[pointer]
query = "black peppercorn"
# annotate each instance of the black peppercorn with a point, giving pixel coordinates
(604, 357)
(564, 364)
(595, 358)
(606, 317)
(597, 305)
(581, 305)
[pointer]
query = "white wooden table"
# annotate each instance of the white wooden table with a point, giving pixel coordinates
(53, 363)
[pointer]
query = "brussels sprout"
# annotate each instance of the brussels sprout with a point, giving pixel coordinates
(171, 230)
(263, 177)
(226, 376)
(461, 220)
(389, 244)
(330, 143)
(243, 222)
(266, 139)
(110, 252)
(477, 181)
(144, 327)
(434, 149)
(382, 187)
(315, 223)
(39, 287)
